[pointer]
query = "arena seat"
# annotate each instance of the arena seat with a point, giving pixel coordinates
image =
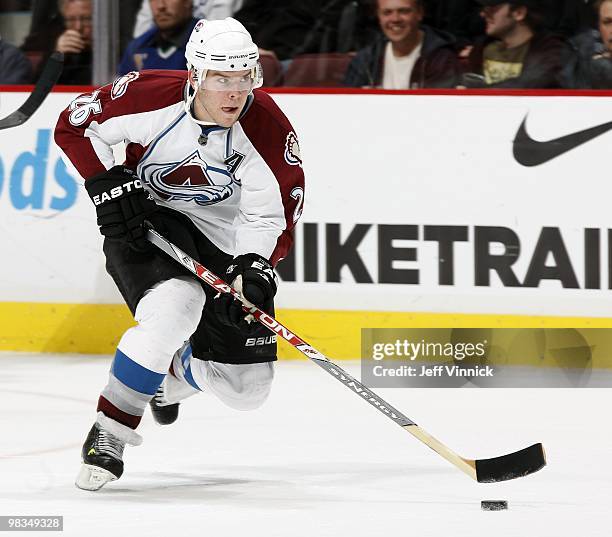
(272, 70)
(318, 70)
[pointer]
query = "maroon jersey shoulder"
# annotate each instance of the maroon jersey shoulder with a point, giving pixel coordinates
(155, 84)
(273, 137)
(264, 115)
(270, 132)
(132, 93)
(143, 91)
(264, 108)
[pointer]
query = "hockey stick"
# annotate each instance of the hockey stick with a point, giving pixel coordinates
(50, 75)
(518, 464)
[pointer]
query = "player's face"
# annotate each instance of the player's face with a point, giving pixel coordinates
(605, 24)
(499, 20)
(77, 16)
(399, 19)
(222, 96)
(168, 14)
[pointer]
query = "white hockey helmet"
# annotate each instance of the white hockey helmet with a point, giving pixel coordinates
(222, 45)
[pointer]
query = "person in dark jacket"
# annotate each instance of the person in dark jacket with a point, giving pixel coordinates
(592, 67)
(293, 27)
(163, 46)
(516, 52)
(280, 28)
(14, 66)
(409, 55)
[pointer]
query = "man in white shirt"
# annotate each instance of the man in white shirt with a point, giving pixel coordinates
(400, 20)
(409, 55)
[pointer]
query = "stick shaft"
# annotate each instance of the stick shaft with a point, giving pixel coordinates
(312, 354)
(278, 328)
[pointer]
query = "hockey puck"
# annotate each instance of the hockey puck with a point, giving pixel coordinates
(494, 505)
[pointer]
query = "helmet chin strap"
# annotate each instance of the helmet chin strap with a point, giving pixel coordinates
(191, 93)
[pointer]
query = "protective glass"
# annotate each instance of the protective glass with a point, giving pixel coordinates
(229, 81)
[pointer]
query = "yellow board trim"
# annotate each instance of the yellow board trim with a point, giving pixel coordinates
(96, 328)
(337, 334)
(74, 328)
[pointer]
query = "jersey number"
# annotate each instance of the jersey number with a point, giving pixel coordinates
(297, 194)
(82, 107)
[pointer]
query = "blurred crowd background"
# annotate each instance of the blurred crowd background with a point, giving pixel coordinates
(389, 44)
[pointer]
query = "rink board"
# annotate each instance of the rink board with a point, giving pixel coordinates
(406, 218)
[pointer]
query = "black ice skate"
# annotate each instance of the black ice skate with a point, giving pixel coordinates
(102, 453)
(163, 411)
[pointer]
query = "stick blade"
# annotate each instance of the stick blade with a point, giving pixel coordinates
(14, 120)
(49, 76)
(517, 464)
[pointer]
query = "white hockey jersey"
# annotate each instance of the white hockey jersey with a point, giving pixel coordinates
(242, 186)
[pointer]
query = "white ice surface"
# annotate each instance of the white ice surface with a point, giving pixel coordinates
(314, 461)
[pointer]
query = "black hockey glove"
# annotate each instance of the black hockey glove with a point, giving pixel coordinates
(253, 277)
(122, 206)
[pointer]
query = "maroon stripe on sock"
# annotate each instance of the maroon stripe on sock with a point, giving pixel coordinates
(110, 410)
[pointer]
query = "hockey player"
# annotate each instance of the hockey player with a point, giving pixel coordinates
(213, 164)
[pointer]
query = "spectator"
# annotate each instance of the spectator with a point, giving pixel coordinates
(255, 13)
(66, 26)
(334, 25)
(280, 29)
(163, 46)
(295, 27)
(202, 9)
(47, 25)
(592, 67)
(14, 66)
(75, 41)
(516, 52)
(409, 55)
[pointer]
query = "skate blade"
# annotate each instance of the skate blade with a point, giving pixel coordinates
(93, 477)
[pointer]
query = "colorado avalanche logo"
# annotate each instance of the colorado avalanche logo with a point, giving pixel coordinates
(292, 150)
(199, 25)
(191, 180)
(120, 85)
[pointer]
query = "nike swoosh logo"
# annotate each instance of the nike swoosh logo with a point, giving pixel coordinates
(530, 152)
